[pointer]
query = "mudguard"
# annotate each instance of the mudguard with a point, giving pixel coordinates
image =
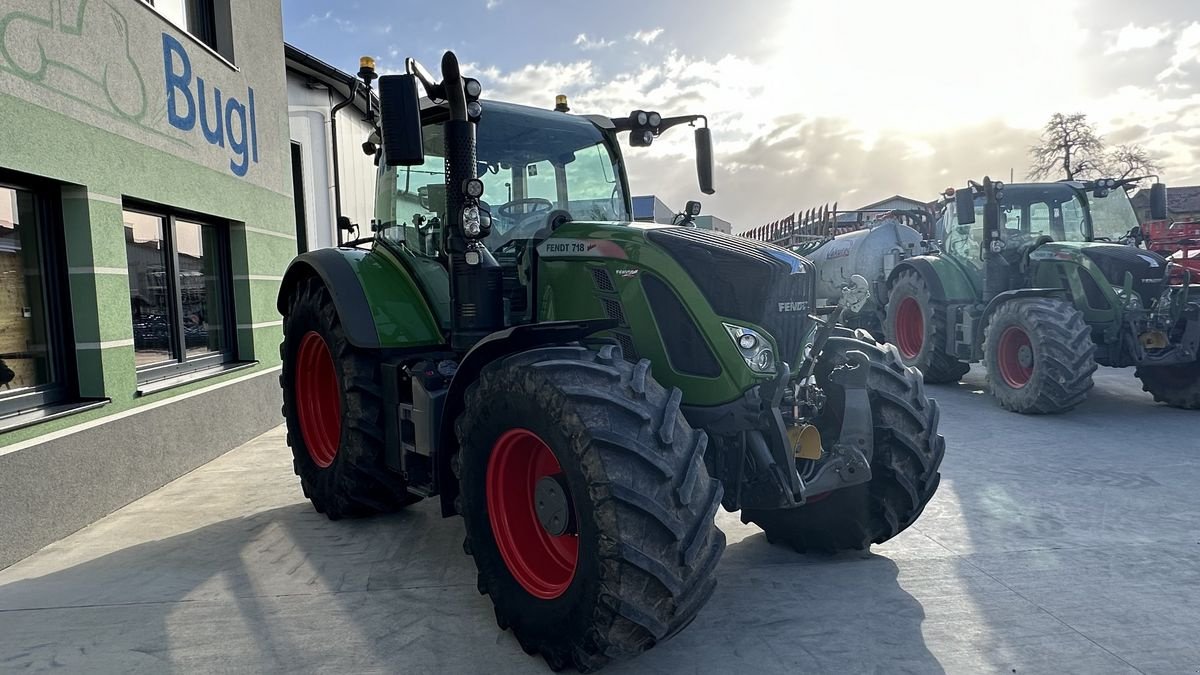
(377, 300)
(1021, 293)
(946, 280)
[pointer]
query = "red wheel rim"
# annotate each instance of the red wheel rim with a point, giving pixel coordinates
(318, 401)
(544, 565)
(910, 328)
(1015, 357)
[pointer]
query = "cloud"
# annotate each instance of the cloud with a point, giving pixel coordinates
(886, 118)
(493, 4)
(1133, 38)
(585, 43)
(1187, 53)
(647, 36)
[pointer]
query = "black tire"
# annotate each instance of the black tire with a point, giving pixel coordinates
(1177, 386)
(357, 482)
(908, 452)
(926, 350)
(1039, 355)
(643, 501)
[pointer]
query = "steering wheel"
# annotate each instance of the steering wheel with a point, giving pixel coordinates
(537, 204)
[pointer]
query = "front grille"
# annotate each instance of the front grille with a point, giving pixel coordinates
(1149, 270)
(686, 347)
(613, 310)
(602, 279)
(749, 281)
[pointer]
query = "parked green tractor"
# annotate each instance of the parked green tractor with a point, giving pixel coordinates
(1040, 282)
(583, 390)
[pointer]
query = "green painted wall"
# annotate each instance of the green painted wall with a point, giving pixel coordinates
(108, 140)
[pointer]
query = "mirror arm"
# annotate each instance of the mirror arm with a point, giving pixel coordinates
(434, 90)
(669, 122)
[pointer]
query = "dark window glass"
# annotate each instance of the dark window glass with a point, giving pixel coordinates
(150, 296)
(24, 345)
(178, 293)
(200, 287)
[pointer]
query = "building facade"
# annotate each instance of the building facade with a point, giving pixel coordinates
(314, 90)
(651, 209)
(146, 219)
(714, 223)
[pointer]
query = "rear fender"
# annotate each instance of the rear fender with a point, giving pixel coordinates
(493, 347)
(378, 302)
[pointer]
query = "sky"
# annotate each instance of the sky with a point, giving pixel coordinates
(811, 102)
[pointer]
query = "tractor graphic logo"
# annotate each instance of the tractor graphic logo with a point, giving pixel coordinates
(80, 49)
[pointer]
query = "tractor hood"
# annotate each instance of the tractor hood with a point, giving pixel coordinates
(1148, 269)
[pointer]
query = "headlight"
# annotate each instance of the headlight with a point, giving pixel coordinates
(1128, 299)
(470, 221)
(754, 348)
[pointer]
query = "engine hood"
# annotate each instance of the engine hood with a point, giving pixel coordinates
(1148, 269)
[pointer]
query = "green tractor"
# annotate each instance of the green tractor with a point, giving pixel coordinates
(585, 391)
(1041, 283)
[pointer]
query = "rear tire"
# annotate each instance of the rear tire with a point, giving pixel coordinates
(1039, 355)
(908, 452)
(338, 454)
(916, 324)
(1177, 386)
(646, 545)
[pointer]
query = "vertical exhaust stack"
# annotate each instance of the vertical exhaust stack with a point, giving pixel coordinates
(475, 276)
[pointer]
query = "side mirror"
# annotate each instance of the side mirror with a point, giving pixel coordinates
(400, 120)
(692, 208)
(704, 160)
(964, 205)
(1158, 202)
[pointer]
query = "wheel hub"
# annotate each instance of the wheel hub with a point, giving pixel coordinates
(553, 505)
(532, 514)
(910, 328)
(1025, 356)
(318, 399)
(1014, 357)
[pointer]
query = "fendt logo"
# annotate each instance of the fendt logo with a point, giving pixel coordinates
(794, 306)
(231, 125)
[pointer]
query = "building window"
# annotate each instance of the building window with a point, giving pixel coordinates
(206, 20)
(32, 359)
(179, 288)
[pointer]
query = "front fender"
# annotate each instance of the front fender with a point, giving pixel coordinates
(378, 302)
(947, 281)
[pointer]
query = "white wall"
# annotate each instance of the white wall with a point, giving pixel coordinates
(308, 119)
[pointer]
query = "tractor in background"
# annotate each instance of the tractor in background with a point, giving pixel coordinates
(1039, 282)
(585, 391)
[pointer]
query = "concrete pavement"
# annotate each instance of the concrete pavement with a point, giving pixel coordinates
(1055, 544)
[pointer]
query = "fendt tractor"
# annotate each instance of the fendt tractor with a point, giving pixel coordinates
(583, 390)
(1041, 282)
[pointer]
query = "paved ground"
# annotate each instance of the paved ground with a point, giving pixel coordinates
(1064, 544)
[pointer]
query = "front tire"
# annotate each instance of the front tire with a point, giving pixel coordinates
(908, 452)
(333, 406)
(638, 563)
(1039, 355)
(915, 323)
(1177, 386)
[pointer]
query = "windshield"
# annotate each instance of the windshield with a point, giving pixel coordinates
(1057, 210)
(531, 162)
(1112, 216)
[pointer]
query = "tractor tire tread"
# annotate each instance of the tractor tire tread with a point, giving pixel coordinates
(908, 452)
(653, 501)
(358, 483)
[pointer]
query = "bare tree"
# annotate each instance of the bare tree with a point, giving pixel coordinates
(1070, 148)
(1130, 160)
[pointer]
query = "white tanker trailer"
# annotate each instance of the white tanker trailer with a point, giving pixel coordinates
(872, 253)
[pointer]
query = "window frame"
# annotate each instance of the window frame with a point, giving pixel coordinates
(180, 363)
(51, 242)
(209, 24)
